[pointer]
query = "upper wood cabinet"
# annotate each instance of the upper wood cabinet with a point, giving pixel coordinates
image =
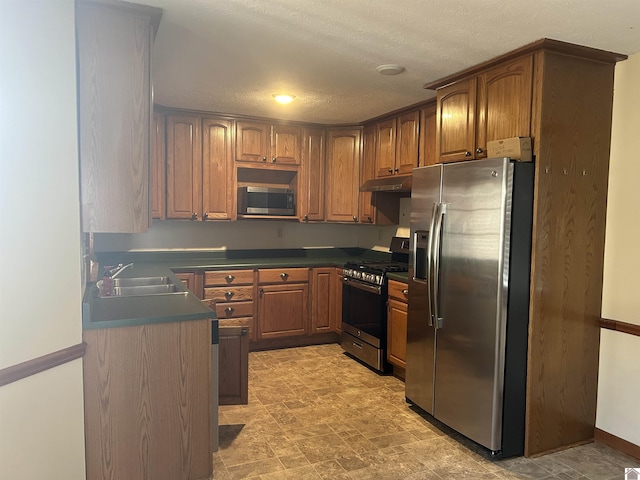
(265, 143)
(427, 150)
(397, 141)
(491, 106)
(385, 150)
(312, 187)
(343, 168)
(407, 142)
(158, 167)
(114, 96)
(199, 168)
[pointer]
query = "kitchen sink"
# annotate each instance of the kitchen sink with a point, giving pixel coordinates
(139, 286)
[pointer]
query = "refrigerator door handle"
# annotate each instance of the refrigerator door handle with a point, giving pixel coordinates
(430, 261)
(435, 252)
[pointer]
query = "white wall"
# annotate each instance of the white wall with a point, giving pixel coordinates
(41, 417)
(619, 376)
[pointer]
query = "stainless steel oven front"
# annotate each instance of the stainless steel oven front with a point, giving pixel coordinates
(364, 323)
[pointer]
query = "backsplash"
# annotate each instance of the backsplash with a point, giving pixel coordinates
(253, 234)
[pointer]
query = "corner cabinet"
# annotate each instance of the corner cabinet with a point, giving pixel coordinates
(343, 172)
(311, 191)
(114, 43)
(562, 96)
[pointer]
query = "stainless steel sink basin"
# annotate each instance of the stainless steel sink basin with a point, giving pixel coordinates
(140, 281)
(139, 286)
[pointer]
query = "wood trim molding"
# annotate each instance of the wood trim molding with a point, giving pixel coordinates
(617, 443)
(546, 44)
(40, 364)
(630, 328)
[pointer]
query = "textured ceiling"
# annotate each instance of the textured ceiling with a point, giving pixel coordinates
(230, 56)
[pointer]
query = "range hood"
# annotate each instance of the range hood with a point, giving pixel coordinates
(388, 184)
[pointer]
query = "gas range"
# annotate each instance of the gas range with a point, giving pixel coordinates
(372, 272)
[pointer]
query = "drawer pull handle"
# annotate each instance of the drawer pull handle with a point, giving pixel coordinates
(284, 275)
(405, 292)
(356, 344)
(228, 295)
(228, 311)
(229, 278)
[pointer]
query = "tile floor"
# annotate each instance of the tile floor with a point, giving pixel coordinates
(315, 413)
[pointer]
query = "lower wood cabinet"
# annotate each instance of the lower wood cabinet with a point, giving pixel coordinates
(193, 282)
(147, 398)
(397, 307)
(282, 310)
(233, 364)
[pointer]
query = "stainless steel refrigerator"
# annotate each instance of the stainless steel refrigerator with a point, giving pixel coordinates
(469, 298)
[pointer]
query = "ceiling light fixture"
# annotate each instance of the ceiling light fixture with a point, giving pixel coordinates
(390, 69)
(283, 98)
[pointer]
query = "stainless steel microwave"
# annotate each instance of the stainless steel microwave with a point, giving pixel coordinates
(266, 201)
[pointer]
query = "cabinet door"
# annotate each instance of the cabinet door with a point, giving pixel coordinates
(367, 172)
(158, 171)
(252, 141)
(504, 103)
(428, 154)
(407, 141)
(217, 167)
(385, 148)
(397, 333)
(193, 282)
(282, 310)
(114, 96)
(321, 300)
(343, 186)
(313, 162)
(455, 139)
(286, 143)
(184, 167)
(233, 365)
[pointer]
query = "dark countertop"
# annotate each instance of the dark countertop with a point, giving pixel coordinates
(399, 276)
(183, 305)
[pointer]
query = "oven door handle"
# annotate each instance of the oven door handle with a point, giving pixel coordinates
(362, 286)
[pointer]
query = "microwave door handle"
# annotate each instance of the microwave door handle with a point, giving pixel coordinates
(430, 262)
(437, 249)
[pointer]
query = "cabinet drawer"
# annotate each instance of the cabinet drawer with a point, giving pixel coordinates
(283, 275)
(228, 277)
(229, 294)
(232, 309)
(398, 290)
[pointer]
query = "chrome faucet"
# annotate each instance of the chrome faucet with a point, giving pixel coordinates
(115, 271)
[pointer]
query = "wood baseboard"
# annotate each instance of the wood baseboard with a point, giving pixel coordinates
(617, 443)
(40, 364)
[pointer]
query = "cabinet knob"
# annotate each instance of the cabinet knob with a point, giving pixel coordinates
(228, 295)
(228, 311)
(194, 216)
(396, 170)
(355, 219)
(405, 292)
(229, 278)
(389, 170)
(205, 215)
(369, 219)
(479, 150)
(305, 218)
(264, 159)
(284, 276)
(467, 154)
(273, 160)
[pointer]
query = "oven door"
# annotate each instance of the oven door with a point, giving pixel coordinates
(364, 323)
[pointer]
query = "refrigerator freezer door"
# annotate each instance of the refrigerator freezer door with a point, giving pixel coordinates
(420, 335)
(469, 368)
